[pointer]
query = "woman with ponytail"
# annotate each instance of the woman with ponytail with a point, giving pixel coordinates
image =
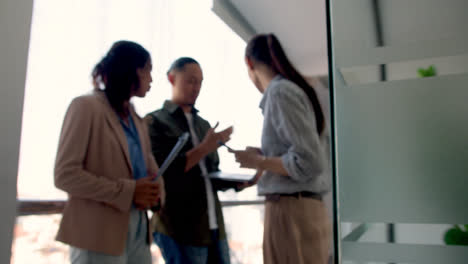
(105, 165)
(292, 157)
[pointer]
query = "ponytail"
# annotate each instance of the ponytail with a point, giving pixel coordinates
(97, 75)
(267, 50)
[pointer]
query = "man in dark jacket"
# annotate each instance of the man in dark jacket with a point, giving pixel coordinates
(190, 227)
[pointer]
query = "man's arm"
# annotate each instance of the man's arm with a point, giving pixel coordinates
(207, 146)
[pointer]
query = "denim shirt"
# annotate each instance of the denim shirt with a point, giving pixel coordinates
(289, 132)
(134, 149)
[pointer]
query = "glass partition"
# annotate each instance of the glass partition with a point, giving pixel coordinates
(399, 75)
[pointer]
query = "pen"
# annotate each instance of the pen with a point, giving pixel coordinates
(222, 144)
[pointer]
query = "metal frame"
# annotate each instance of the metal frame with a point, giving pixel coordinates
(46, 207)
(331, 66)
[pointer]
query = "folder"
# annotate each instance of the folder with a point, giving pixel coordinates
(173, 154)
(232, 177)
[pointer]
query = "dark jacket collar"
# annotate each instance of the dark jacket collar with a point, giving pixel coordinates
(171, 107)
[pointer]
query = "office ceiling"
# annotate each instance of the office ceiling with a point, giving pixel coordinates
(300, 26)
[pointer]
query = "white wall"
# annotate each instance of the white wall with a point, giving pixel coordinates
(15, 20)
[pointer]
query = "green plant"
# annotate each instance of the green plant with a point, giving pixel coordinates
(458, 235)
(429, 72)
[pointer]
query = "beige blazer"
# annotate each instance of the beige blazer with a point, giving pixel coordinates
(93, 166)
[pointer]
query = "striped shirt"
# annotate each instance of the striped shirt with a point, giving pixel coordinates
(289, 132)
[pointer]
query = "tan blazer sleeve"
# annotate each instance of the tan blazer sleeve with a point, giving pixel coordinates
(70, 175)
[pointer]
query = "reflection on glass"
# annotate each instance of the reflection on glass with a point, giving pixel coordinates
(400, 115)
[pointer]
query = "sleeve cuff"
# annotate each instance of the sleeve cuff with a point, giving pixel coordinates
(289, 164)
(125, 201)
(286, 159)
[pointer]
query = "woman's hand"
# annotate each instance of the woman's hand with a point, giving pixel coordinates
(249, 158)
(147, 193)
(253, 158)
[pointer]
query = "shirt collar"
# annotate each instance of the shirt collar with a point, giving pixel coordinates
(265, 94)
(172, 107)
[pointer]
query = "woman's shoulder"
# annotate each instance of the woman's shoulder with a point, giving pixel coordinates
(87, 103)
(282, 87)
(88, 98)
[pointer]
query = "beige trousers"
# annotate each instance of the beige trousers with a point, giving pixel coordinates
(297, 231)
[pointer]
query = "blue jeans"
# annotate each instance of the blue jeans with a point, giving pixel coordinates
(175, 253)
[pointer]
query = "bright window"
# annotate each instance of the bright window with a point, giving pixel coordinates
(68, 37)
